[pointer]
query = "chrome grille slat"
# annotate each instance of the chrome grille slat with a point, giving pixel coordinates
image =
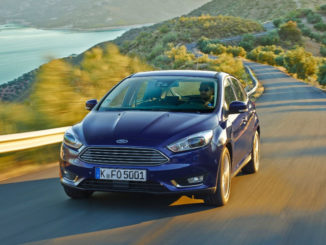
(123, 156)
(117, 153)
(121, 150)
(116, 161)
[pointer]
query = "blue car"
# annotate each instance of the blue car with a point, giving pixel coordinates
(164, 132)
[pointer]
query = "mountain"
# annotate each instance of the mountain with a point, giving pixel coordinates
(95, 14)
(262, 10)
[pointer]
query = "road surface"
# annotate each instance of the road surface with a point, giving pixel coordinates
(285, 203)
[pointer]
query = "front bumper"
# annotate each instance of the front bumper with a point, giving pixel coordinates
(167, 178)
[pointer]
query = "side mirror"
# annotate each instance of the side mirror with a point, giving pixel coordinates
(238, 107)
(90, 104)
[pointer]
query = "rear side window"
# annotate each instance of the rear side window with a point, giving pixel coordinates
(239, 91)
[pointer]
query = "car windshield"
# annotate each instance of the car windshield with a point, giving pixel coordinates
(163, 93)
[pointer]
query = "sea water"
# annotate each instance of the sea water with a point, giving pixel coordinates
(24, 49)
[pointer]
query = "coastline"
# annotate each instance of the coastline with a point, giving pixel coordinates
(25, 80)
(12, 26)
(74, 29)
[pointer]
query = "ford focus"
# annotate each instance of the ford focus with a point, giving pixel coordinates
(164, 132)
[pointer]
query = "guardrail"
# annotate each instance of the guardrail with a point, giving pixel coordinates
(28, 140)
(254, 79)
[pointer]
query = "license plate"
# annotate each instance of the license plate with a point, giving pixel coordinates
(120, 174)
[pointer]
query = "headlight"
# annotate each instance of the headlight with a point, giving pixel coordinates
(71, 140)
(192, 142)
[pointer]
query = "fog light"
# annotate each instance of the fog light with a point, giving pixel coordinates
(69, 175)
(196, 179)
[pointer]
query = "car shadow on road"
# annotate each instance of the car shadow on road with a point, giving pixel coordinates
(43, 205)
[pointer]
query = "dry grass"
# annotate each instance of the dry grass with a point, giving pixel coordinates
(312, 46)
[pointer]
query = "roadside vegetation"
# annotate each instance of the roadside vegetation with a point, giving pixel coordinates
(293, 57)
(311, 23)
(61, 89)
(152, 44)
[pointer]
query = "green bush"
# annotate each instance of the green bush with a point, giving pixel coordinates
(202, 43)
(248, 42)
(300, 62)
(295, 14)
(323, 50)
(278, 22)
(164, 29)
(236, 51)
(267, 57)
(270, 39)
(301, 25)
(162, 61)
(170, 37)
(320, 26)
(305, 12)
(156, 51)
(272, 48)
(253, 54)
(322, 74)
(323, 41)
(206, 45)
(279, 60)
(313, 18)
(216, 48)
(317, 37)
(306, 31)
(290, 32)
(323, 7)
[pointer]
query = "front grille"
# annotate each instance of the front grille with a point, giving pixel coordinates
(123, 156)
(128, 186)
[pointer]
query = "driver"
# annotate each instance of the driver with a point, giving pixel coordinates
(206, 90)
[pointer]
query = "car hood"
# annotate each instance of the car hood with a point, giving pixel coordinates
(141, 128)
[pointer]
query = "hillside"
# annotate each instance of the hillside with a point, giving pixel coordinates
(262, 10)
(85, 14)
(151, 43)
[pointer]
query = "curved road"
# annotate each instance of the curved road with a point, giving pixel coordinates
(285, 203)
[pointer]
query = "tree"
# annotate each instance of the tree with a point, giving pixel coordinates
(290, 32)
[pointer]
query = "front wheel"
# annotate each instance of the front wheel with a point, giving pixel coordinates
(76, 194)
(223, 188)
(253, 166)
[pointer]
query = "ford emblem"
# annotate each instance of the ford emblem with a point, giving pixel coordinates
(121, 141)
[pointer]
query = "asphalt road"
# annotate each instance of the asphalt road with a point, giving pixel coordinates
(285, 203)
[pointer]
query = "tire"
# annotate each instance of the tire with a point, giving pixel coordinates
(223, 187)
(77, 194)
(253, 165)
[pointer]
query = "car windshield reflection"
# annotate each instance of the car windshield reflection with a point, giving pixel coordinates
(168, 93)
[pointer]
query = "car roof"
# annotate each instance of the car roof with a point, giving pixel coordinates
(190, 73)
